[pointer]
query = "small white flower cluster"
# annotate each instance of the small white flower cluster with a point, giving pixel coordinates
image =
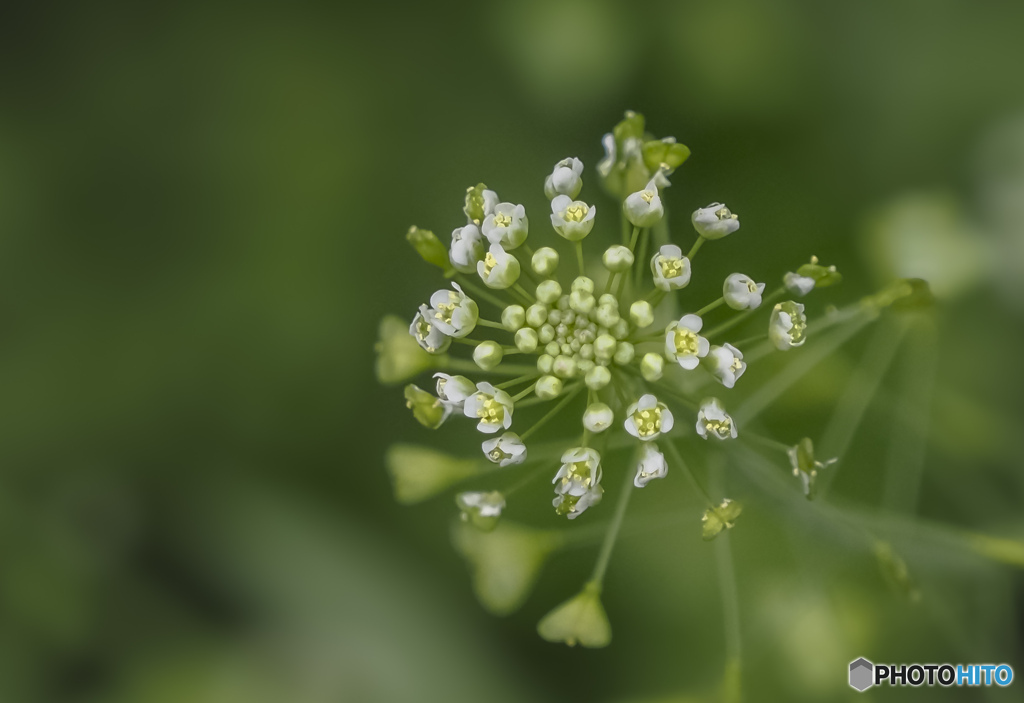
(590, 331)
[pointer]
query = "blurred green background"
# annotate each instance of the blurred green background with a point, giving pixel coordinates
(202, 208)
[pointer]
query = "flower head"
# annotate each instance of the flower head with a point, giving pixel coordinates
(453, 313)
(788, 325)
(670, 268)
(652, 465)
(565, 179)
(498, 268)
(682, 343)
(647, 418)
(467, 248)
(572, 219)
(715, 221)
(481, 508)
(741, 292)
(727, 364)
(506, 450)
(491, 406)
(429, 337)
(578, 482)
(714, 421)
(643, 208)
(507, 225)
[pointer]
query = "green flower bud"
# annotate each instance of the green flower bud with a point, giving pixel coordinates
(642, 314)
(430, 248)
(487, 355)
(597, 378)
(583, 284)
(564, 366)
(579, 620)
(504, 563)
(581, 302)
(548, 387)
(553, 348)
(607, 314)
(652, 366)
(546, 334)
(620, 330)
(428, 410)
(549, 292)
(536, 315)
(604, 347)
(399, 357)
(617, 258)
(545, 362)
(584, 366)
(545, 261)
(513, 317)
(721, 518)
(526, 340)
(418, 473)
(587, 351)
(624, 353)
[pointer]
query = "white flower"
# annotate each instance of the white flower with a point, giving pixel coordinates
(682, 343)
(741, 293)
(643, 208)
(652, 465)
(482, 508)
(727, 364)
(647, 419)
(505, 450)
(453, 312)
(712, 418)
(453, 390)
(507, 225)
(572, 219)
(605, 165)
(426, 335)
(498, 269)
(598, 417)
(490, 405)
(577, 483)
(715, 221)
(797, 284)
(788, 325)
(467, 248)
(565, 179)
(670, 268)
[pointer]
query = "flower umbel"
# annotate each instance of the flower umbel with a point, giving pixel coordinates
(588, 335)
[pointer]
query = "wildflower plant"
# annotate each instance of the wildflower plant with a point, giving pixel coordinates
(552, 326)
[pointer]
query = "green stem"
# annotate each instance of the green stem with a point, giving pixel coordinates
(639, 259)
(655, 297)
(516, 381)
(551, 413)
(605, 555)
(750, 340)
(633, 238)
(579, 257)
(523, 393)
(677, 459)
(467, 366)
(695, 248)
(523, 292)
(478, 292)
(709, 307)
(488, 323)
(467, 340)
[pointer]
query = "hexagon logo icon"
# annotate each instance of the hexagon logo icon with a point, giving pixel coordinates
(862, 674)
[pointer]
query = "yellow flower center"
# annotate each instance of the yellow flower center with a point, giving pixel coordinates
(736, 364)
(444, 312)
(491, 411)
(719, 427)
(576, 212)
(423, 330)
(670, 268)
(647, 196)
(725, 214)
(502, 220)
(751, 286)
(489, 263)
(567, 505)
(497, 455)
(799, 329)
(686, 342)
(648, 422)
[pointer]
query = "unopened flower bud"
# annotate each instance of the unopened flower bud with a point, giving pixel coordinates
(641, 314)
(487, 355)
(526, 340)
(598, 417)
(564, 366)
(513, 317)
(536, 315)
(548, 387)
(544, 261)
(549, 292)
(652, 366)
(617, 258)
(597, 378)
(545, 362)
(624, 353)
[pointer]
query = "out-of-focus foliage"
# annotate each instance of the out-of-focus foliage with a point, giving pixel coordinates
(202, 213)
